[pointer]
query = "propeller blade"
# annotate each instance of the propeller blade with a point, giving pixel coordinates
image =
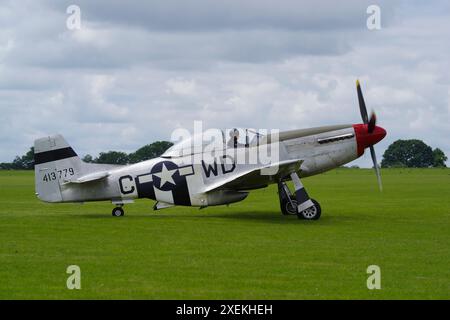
(362, 104)
(372, 122)
(375, 165)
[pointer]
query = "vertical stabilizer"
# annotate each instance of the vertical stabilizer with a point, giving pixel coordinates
(54, 162)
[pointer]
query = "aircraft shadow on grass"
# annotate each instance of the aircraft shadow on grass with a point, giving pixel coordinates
(266, 217)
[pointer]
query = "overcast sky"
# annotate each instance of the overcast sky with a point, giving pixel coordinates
(137, 70)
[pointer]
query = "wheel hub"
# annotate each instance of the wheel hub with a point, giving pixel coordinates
(310, 212)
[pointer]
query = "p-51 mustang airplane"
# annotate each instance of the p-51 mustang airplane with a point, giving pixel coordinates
(174, 179)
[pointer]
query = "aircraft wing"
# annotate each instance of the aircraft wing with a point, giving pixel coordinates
(252, 178)
(90, 177)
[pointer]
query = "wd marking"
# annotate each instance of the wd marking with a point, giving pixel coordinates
(225, 165)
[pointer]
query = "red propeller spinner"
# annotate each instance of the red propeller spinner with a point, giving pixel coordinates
(366, 138)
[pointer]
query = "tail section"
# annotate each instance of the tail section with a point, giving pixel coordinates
(54, 163)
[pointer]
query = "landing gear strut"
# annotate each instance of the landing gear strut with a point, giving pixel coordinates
(118, 212)
(299, 203)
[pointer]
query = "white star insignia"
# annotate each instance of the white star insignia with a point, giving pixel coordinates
(165, 175)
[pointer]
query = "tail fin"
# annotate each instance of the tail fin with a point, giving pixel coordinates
(54, 162)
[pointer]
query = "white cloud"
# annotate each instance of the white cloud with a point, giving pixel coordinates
(181, 86)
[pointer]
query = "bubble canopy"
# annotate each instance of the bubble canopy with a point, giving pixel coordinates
(214, 139)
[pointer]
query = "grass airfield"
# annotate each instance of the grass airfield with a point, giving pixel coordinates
(245, 251)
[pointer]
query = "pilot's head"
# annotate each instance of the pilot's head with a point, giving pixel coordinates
(234, 133)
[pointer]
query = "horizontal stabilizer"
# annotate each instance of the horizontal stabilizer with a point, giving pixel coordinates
(90, 177)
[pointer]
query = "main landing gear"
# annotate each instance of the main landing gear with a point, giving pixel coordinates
(299, 203)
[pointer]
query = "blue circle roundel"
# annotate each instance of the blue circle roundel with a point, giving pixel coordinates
(166, 175)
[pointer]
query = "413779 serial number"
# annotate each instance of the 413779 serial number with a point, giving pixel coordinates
(58, 174)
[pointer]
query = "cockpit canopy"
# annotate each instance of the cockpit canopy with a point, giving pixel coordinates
(214, 140)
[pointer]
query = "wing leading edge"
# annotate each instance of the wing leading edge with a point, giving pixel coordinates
(251, 178)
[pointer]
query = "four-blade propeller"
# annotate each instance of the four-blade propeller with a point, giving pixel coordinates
(371, 124)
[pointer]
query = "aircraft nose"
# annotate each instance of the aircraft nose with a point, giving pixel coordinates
(364, 139)
(379, 133)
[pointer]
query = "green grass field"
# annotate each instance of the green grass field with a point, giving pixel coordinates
(245, 251)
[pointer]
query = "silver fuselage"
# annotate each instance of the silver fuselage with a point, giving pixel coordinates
(317, 149)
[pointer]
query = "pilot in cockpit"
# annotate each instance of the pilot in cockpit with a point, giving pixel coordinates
(233, 141)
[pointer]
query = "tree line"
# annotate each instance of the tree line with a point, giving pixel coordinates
(402, 153)
(413, 154)
(149, 151)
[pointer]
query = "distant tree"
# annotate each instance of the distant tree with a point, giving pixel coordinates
(149, 151)
(6, 166)
(408, 153)
(439, 158)
(26, 162)
(112, 157)
(88, 158)
(17, 163)
(28, 159)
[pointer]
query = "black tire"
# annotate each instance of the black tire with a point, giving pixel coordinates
(117, 212)
(286, 207)
(312, 213)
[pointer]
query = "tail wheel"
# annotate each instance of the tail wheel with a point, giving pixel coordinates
(312, 213)
(117, 212)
